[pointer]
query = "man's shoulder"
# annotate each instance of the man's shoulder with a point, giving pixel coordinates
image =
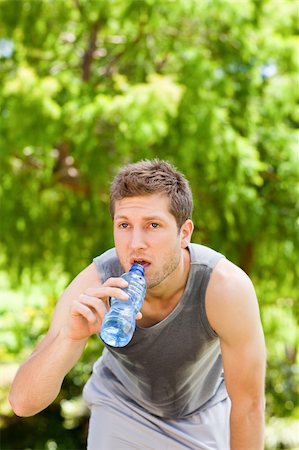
(230, 288)
(204, 255)
(231, 304)
(227, 276)
(107, 264)
(107, 255)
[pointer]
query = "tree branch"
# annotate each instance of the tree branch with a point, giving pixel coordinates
(89, 52)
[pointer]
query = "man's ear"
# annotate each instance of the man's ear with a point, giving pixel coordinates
(186, 233)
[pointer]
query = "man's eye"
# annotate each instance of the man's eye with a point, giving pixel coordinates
(155, 225)
(123, 225)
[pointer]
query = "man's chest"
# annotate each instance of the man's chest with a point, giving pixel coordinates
(154, 312)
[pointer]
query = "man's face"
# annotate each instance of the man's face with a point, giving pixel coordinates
(146, 232)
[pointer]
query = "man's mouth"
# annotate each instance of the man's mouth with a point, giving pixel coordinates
(143, 262)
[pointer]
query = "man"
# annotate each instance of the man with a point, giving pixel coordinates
(193, 375)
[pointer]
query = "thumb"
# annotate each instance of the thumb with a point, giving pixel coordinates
(139, 316)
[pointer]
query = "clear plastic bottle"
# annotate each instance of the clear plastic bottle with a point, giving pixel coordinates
(119, 323)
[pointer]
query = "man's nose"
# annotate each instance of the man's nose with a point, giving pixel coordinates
(137, 239)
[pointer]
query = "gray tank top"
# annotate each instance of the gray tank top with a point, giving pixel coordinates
(173, 368)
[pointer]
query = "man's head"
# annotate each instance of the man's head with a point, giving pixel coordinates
(156, 176)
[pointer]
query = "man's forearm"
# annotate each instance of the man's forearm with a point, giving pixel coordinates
(247, 429)
(39, 379)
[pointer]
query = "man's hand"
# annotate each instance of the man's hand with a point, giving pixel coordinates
(88, 311)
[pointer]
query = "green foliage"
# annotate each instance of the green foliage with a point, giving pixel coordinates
(209, 85)
(283, 368)
(87, 86)
(282, 434)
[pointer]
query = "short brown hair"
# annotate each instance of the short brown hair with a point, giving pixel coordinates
(151, 177)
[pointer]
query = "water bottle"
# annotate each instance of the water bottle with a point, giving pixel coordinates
(119, 323)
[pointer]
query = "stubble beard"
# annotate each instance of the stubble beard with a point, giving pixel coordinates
(167, 269)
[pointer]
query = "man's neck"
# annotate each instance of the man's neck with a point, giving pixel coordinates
(162, 299)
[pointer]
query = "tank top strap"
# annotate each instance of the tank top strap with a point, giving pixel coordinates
(108, 265)
(200, 254)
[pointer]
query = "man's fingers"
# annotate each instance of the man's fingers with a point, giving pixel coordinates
(79, 308)
(104, 292)
(116, 282)
(92, 302)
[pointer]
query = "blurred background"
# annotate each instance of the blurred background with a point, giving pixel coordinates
(87, 86)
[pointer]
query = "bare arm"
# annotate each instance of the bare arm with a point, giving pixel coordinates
(78, 315)
(233, 313)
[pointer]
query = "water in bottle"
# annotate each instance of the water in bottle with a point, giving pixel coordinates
(119, 323)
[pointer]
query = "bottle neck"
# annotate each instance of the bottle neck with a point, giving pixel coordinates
(137, 268)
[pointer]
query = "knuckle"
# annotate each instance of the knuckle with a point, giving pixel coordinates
(90, 313)
(114, 281)
(119, 293)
